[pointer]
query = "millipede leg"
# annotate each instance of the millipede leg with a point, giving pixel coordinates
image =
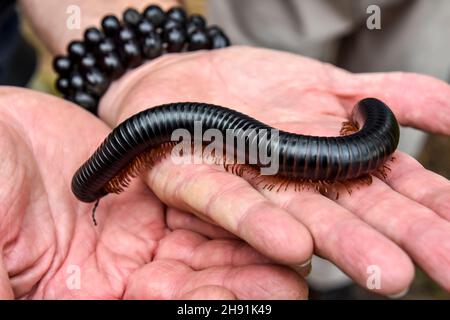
(349, 127)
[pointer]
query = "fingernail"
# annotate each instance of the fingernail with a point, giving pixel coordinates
(307, 263)
(302, 269)
(399, 295)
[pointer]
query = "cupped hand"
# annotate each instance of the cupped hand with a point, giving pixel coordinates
(49, 247)
(385, 226)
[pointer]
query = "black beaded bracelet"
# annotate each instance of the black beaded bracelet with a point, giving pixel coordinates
(104, 55)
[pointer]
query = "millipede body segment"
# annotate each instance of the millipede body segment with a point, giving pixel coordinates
(300, 157)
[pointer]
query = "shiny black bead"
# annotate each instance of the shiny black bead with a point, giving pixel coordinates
(152, 46)
(144, 28)
(110, 25)
(199, 40)
(155, 15)
(171, 24)
(85, 100)
(106, 46)
(96, 82)
(177, 13)
(197, 19)
(213, 30)
(131, 17)
(126, 34)
(112, 66)
(76, 82)
(63, 85)
(76, 50)
(88, 62)
(175, 39)
(218, 38)
(194, 23)
(131, 54)
(92, 37)
(62, 65)
(219, 41)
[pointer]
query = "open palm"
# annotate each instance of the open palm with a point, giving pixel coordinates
(49, 247)
(389, 224)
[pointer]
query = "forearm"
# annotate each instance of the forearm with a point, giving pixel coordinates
(52, 19)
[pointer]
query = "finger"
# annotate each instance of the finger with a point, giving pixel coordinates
(411, 179)
(233, 204)
(347, 241)
(209, 293)
(417, 100)
(169, 279)
(200, 253)
(417, 229)
(177, 219)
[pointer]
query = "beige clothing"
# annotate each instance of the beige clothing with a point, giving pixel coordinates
(413, 35)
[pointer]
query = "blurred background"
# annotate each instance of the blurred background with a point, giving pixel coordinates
(409, 38)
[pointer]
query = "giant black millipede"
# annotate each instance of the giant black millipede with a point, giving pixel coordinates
(323, 161)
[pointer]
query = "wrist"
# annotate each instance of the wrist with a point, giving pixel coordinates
(137, 88)
(44, 16)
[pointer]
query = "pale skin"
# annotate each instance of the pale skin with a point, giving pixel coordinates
(44, 229)
(49, 18)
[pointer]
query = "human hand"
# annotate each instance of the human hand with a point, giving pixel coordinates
(49, 247)
(389, 224)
